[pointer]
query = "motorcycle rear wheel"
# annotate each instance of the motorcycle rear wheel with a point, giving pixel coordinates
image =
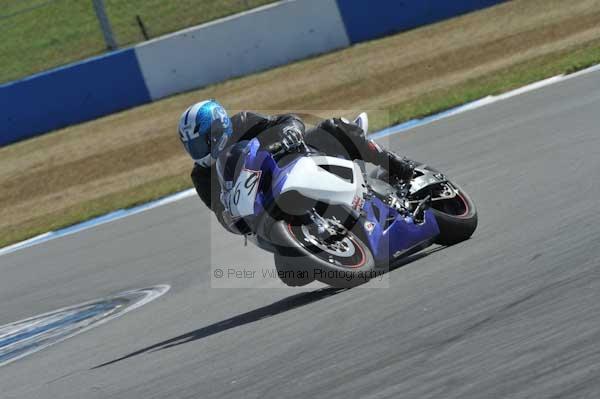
(456, 218)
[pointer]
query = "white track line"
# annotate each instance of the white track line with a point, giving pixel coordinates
(152, 294)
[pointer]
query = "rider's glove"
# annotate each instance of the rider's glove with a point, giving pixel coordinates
(292, 138)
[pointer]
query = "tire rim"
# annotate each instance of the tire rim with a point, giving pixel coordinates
(457, 206)
(345, 253)
(343, 248)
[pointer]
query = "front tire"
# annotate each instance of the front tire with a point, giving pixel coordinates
(350, 264)
(289, 274)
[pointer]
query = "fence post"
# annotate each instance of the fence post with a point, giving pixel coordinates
(109, 37)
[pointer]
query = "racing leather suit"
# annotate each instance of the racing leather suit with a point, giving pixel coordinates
(332, 136)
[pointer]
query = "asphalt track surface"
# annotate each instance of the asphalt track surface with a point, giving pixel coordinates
(513, 312)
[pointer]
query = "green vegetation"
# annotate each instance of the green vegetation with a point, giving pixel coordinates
(564, 62)
(96, 207)
(38, 35)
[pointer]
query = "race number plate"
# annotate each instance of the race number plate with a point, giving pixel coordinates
(243, 195)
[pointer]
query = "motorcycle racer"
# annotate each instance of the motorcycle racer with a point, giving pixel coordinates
(208, 133)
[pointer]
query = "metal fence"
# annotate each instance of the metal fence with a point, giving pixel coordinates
(41, 34)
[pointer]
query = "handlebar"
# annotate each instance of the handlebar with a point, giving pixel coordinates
(277, 149)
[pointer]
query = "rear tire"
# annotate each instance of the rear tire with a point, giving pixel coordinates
(457, 220)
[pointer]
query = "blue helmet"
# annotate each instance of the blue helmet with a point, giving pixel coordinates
(204, 128)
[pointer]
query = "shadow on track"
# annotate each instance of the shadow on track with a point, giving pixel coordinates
(289, 303)
(281, 306)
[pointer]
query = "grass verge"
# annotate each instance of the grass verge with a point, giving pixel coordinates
(96, 207)
(563, 62)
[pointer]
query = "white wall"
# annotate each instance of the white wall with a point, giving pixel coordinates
(239, 45)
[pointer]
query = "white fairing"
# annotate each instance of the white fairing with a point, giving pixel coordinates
(312, 181)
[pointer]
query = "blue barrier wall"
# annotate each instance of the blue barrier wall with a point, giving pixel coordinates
(370, 19)
(103, 85)
(69, 95)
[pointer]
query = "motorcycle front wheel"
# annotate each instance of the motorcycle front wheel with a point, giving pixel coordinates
(343, 262)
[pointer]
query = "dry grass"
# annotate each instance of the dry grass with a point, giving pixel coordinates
(135, 155)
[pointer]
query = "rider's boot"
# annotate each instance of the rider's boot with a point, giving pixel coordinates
(396, 166)
(352, 138)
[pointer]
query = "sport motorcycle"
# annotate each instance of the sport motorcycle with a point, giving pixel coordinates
(339, 221)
